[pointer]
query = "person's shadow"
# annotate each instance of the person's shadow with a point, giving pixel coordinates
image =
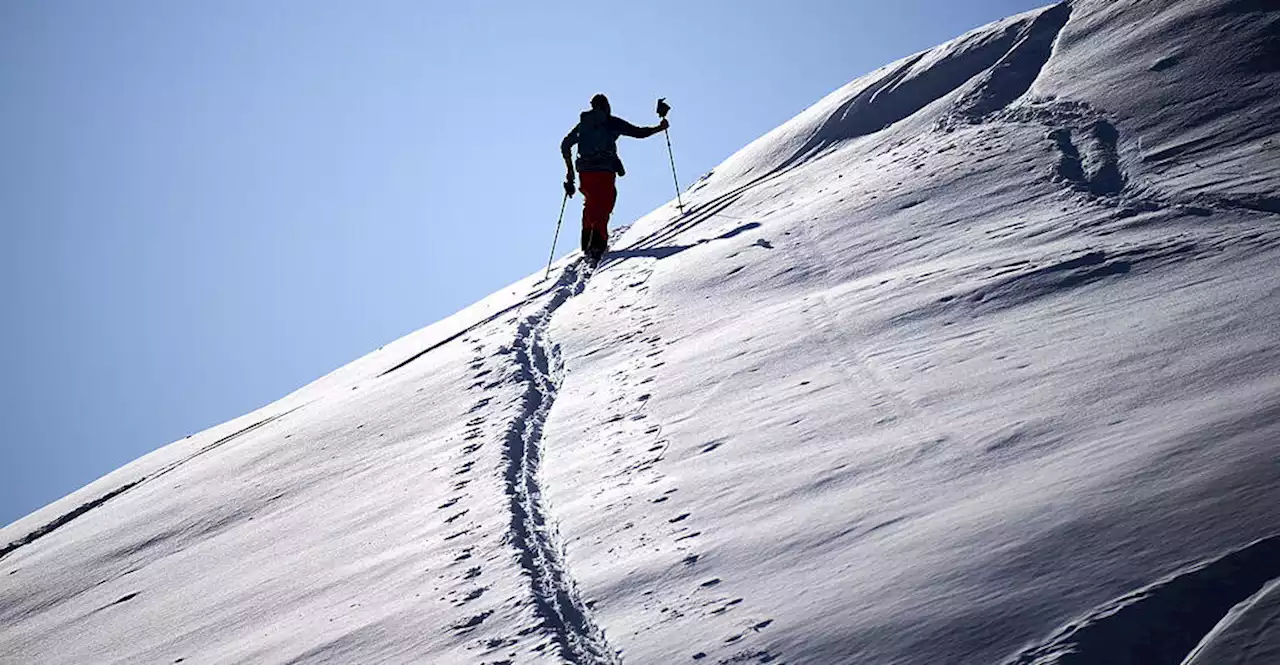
(650, 252)
(671, 250)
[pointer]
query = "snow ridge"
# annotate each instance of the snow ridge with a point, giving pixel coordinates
(555, 594)
(1160, 623)
(1013, 75)
(81, 510)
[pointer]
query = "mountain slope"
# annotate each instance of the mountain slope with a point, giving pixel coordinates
(973, 361)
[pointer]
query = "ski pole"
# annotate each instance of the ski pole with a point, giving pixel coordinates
(663, 107)
(556, 239)
(672, 156)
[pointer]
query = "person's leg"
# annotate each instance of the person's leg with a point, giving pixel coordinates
(599, 195)
(609, 190)
(589, 184)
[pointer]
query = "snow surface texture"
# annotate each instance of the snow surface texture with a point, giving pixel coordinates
(973, 361)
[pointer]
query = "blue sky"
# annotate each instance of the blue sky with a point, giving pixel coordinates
(206, 205)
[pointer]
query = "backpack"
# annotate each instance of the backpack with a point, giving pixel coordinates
(598, 143)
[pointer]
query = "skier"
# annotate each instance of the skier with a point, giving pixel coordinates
(596, 136)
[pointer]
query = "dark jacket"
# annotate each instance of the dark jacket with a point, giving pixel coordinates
(597, 138)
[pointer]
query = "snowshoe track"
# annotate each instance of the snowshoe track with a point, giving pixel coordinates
(554, 593)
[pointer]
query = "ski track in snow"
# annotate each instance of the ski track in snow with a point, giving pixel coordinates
(555, 594)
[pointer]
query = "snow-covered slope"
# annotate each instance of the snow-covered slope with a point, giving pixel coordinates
(973, 361)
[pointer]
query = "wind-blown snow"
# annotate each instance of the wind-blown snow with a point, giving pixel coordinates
(973, 361)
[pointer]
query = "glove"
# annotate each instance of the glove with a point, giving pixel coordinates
(569, 189)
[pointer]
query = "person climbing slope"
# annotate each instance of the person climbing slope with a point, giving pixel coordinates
(596, 136)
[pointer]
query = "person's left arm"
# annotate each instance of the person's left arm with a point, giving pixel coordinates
(627, 129)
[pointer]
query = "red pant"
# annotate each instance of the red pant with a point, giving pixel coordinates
(598, 197)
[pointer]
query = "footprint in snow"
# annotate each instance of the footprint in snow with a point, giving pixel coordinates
(472, 595)
(126, 598)
(472, 622)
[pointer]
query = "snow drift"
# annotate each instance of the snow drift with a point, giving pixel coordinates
(973, 361)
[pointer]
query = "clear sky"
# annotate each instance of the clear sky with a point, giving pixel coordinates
(205, 205)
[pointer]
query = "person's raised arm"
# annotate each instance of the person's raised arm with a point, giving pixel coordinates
(627, 129)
